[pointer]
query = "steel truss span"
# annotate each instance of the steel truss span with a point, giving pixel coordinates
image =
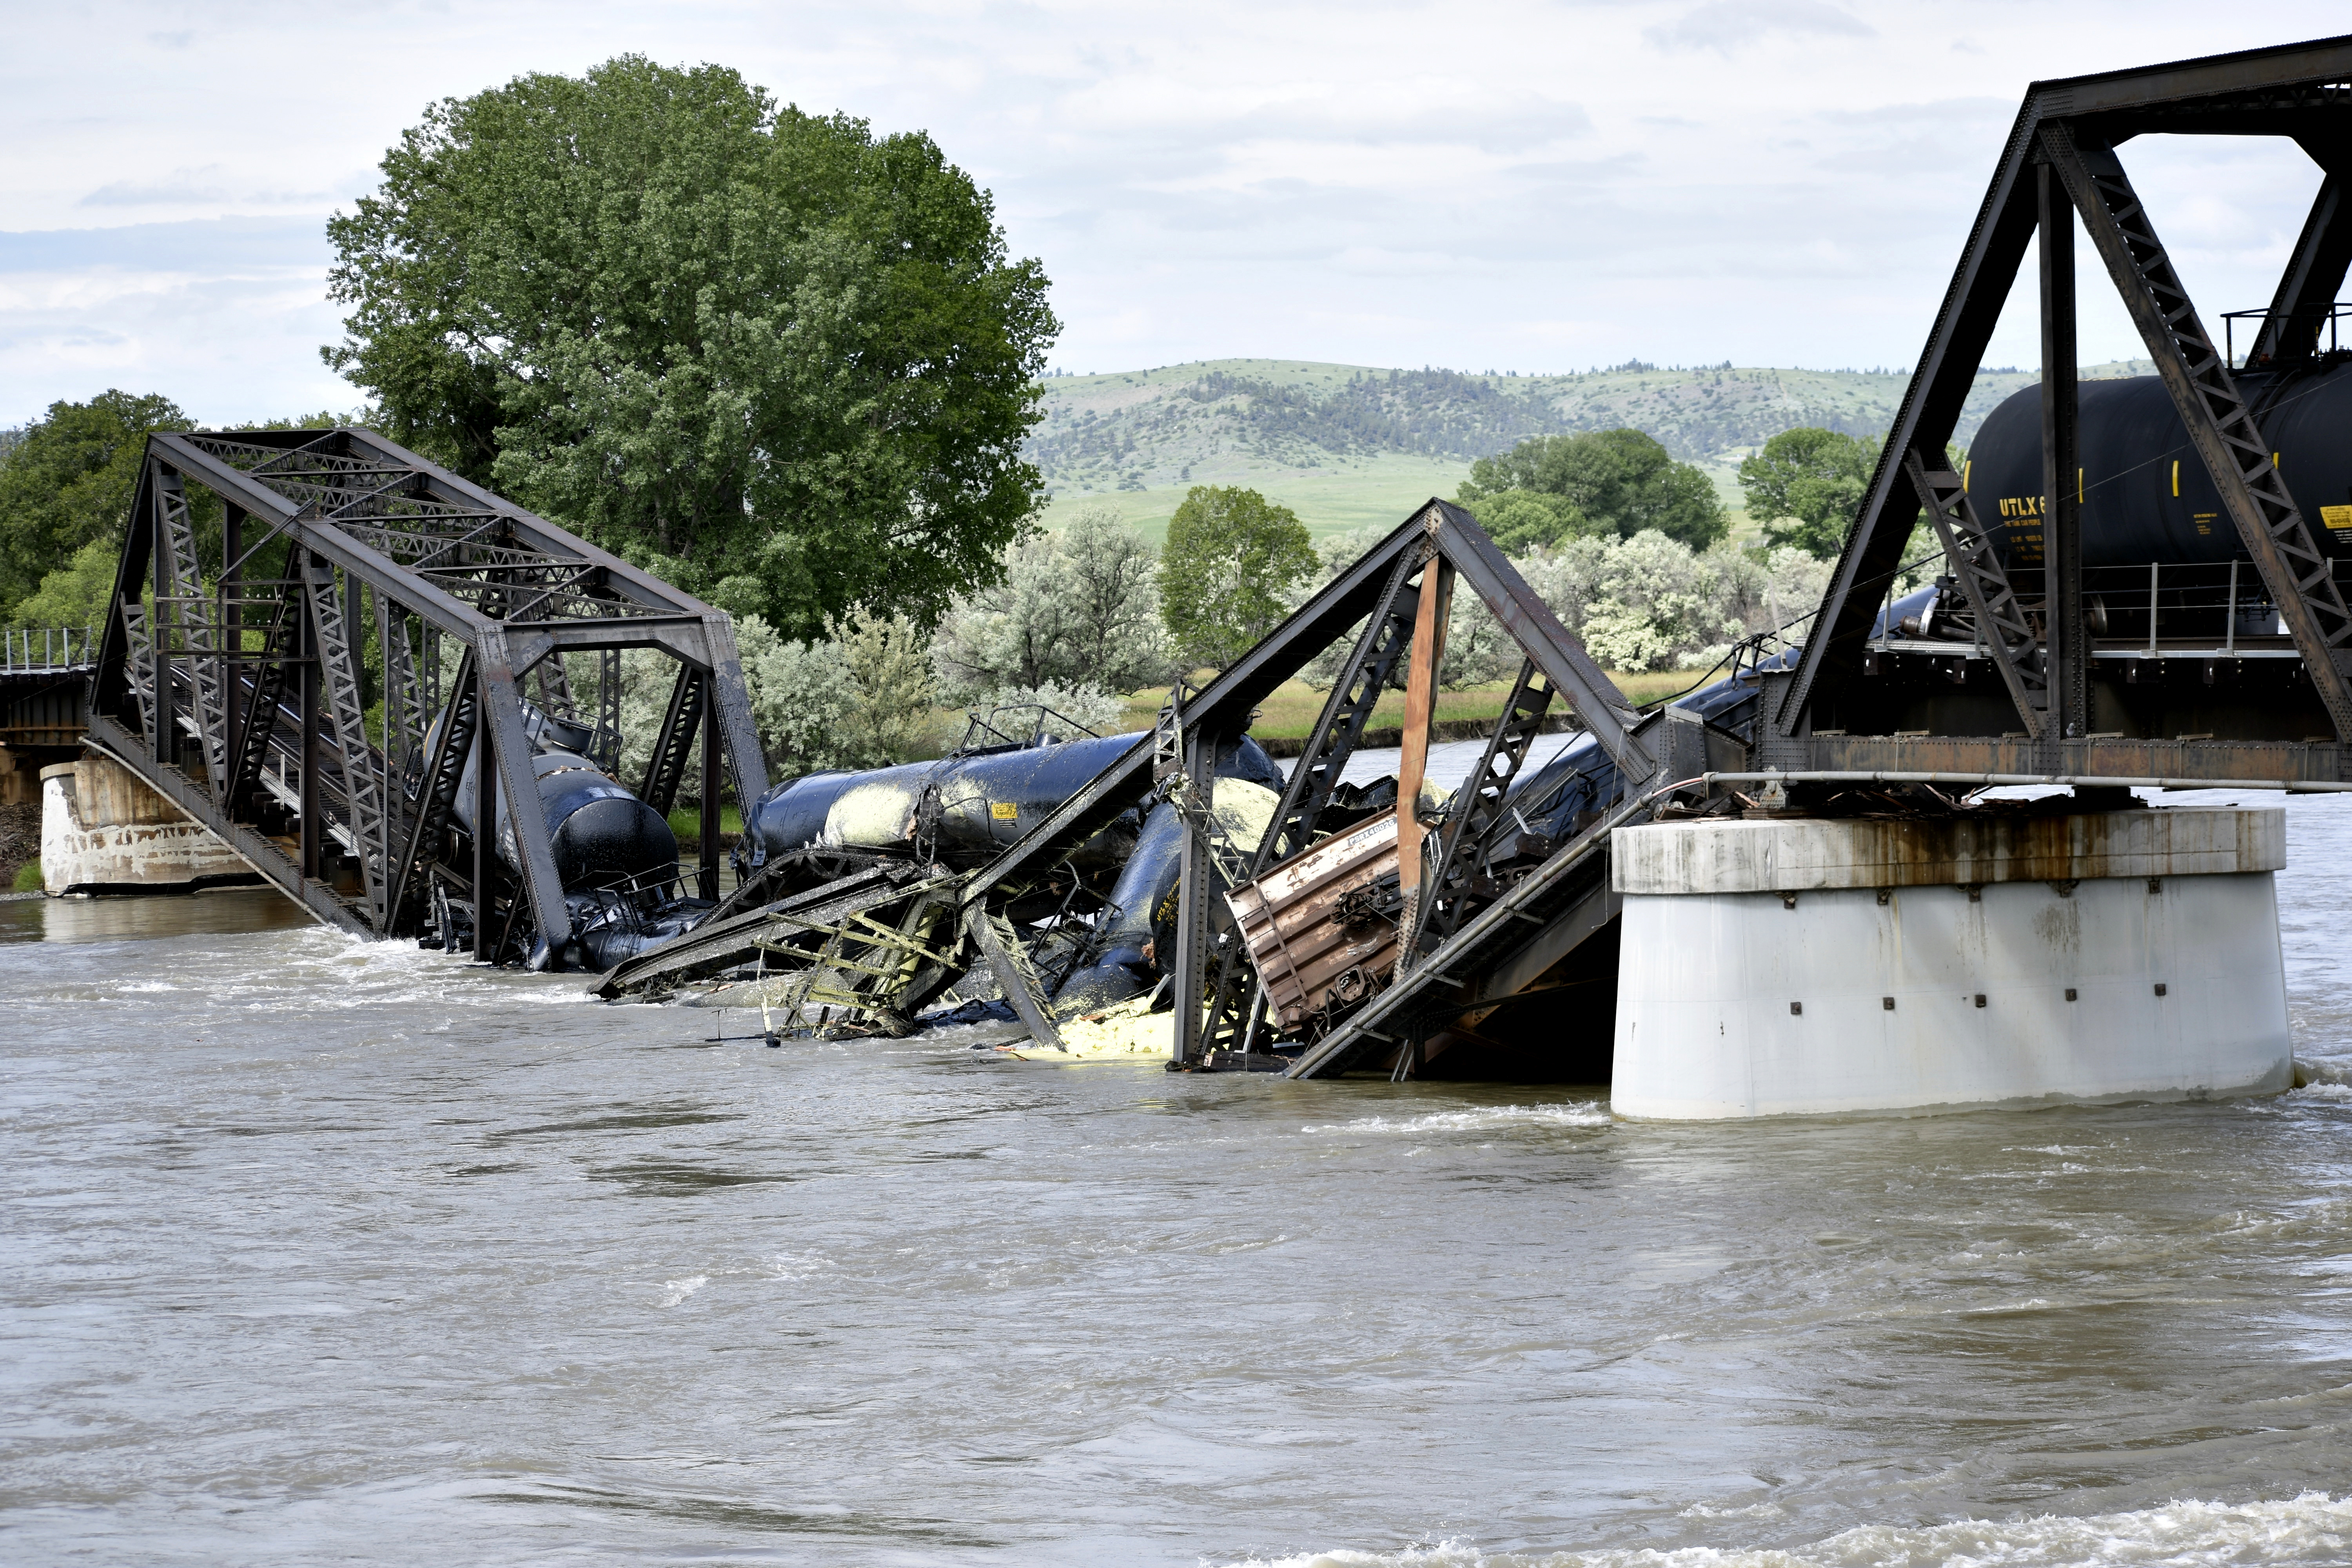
(2046, 685)
(337, 656)
(878, 938)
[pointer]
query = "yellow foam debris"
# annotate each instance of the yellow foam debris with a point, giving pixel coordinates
(1130, 1031)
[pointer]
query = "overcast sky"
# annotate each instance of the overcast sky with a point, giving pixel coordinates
(1534, 187)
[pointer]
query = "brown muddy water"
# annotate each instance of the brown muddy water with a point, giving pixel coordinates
(319, 1252)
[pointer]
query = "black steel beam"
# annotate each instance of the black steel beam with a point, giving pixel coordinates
(1196, 887)
(2220, 427)
(1531, 623)
(2068, 683)
(2306, 288)
(707, 849)
(502, 710)
(1930, 408)
(2180, 84)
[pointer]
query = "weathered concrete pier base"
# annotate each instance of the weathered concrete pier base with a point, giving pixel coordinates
(1797, 967)
(104, 831)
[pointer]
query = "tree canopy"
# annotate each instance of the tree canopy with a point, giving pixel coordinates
(1522, 520)
(1227, 573)
(736, 343)
(1806, 485)
(1076, 608)
(65, 489)
(1619, 483)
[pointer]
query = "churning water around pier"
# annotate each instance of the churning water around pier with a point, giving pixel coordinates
(323, 1252)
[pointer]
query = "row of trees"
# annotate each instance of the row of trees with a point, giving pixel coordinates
(1083, 618)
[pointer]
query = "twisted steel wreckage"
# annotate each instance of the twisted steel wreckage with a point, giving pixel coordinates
(2133, 593)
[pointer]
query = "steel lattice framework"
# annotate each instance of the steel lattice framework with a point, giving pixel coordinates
(234, 673)
(2060, 164)
(913, 938)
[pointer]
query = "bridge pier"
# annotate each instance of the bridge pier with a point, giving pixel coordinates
(104, 831)
(1814, 966)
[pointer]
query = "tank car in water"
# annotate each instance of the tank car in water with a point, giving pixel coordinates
(1112, 902)
(615, 856)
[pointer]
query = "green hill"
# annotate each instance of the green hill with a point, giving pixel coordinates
(1348, 445)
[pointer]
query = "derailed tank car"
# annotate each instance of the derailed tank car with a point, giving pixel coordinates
(1109, 908)
(617, 857)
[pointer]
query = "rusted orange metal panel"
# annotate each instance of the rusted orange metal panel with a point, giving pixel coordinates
(1420, 709)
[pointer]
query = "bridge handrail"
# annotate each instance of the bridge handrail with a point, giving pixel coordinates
(39, 649)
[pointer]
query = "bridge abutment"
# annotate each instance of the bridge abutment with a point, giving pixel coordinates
(104, 831)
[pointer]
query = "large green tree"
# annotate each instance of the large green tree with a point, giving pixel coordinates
(1613, 481)
(1805, 485)
(1228, 570)
(738, 343)
(67, 487)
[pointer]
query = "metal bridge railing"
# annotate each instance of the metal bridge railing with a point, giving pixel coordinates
(43, 651)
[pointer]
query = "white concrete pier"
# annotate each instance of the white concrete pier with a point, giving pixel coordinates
(104, 831)
(1807, 966)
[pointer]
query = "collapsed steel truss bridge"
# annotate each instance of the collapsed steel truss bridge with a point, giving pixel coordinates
(310, 632)
(203, 689)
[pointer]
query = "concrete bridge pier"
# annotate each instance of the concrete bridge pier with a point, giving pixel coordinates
(104, 831)
(1800, 966)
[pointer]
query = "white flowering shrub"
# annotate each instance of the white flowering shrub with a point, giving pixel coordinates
(1100, 712)
(1077, 607)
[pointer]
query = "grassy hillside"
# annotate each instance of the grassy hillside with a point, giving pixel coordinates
(1348, 445)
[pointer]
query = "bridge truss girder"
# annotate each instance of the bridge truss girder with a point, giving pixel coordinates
(205, 677)
(1212, 988)
(2059, 162)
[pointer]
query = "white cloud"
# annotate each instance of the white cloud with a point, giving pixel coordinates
(1519, 183)
(1728, 27)
(210, 188)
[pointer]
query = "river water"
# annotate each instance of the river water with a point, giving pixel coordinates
(322, 1252)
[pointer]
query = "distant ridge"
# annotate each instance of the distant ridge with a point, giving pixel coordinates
(1358, 437)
